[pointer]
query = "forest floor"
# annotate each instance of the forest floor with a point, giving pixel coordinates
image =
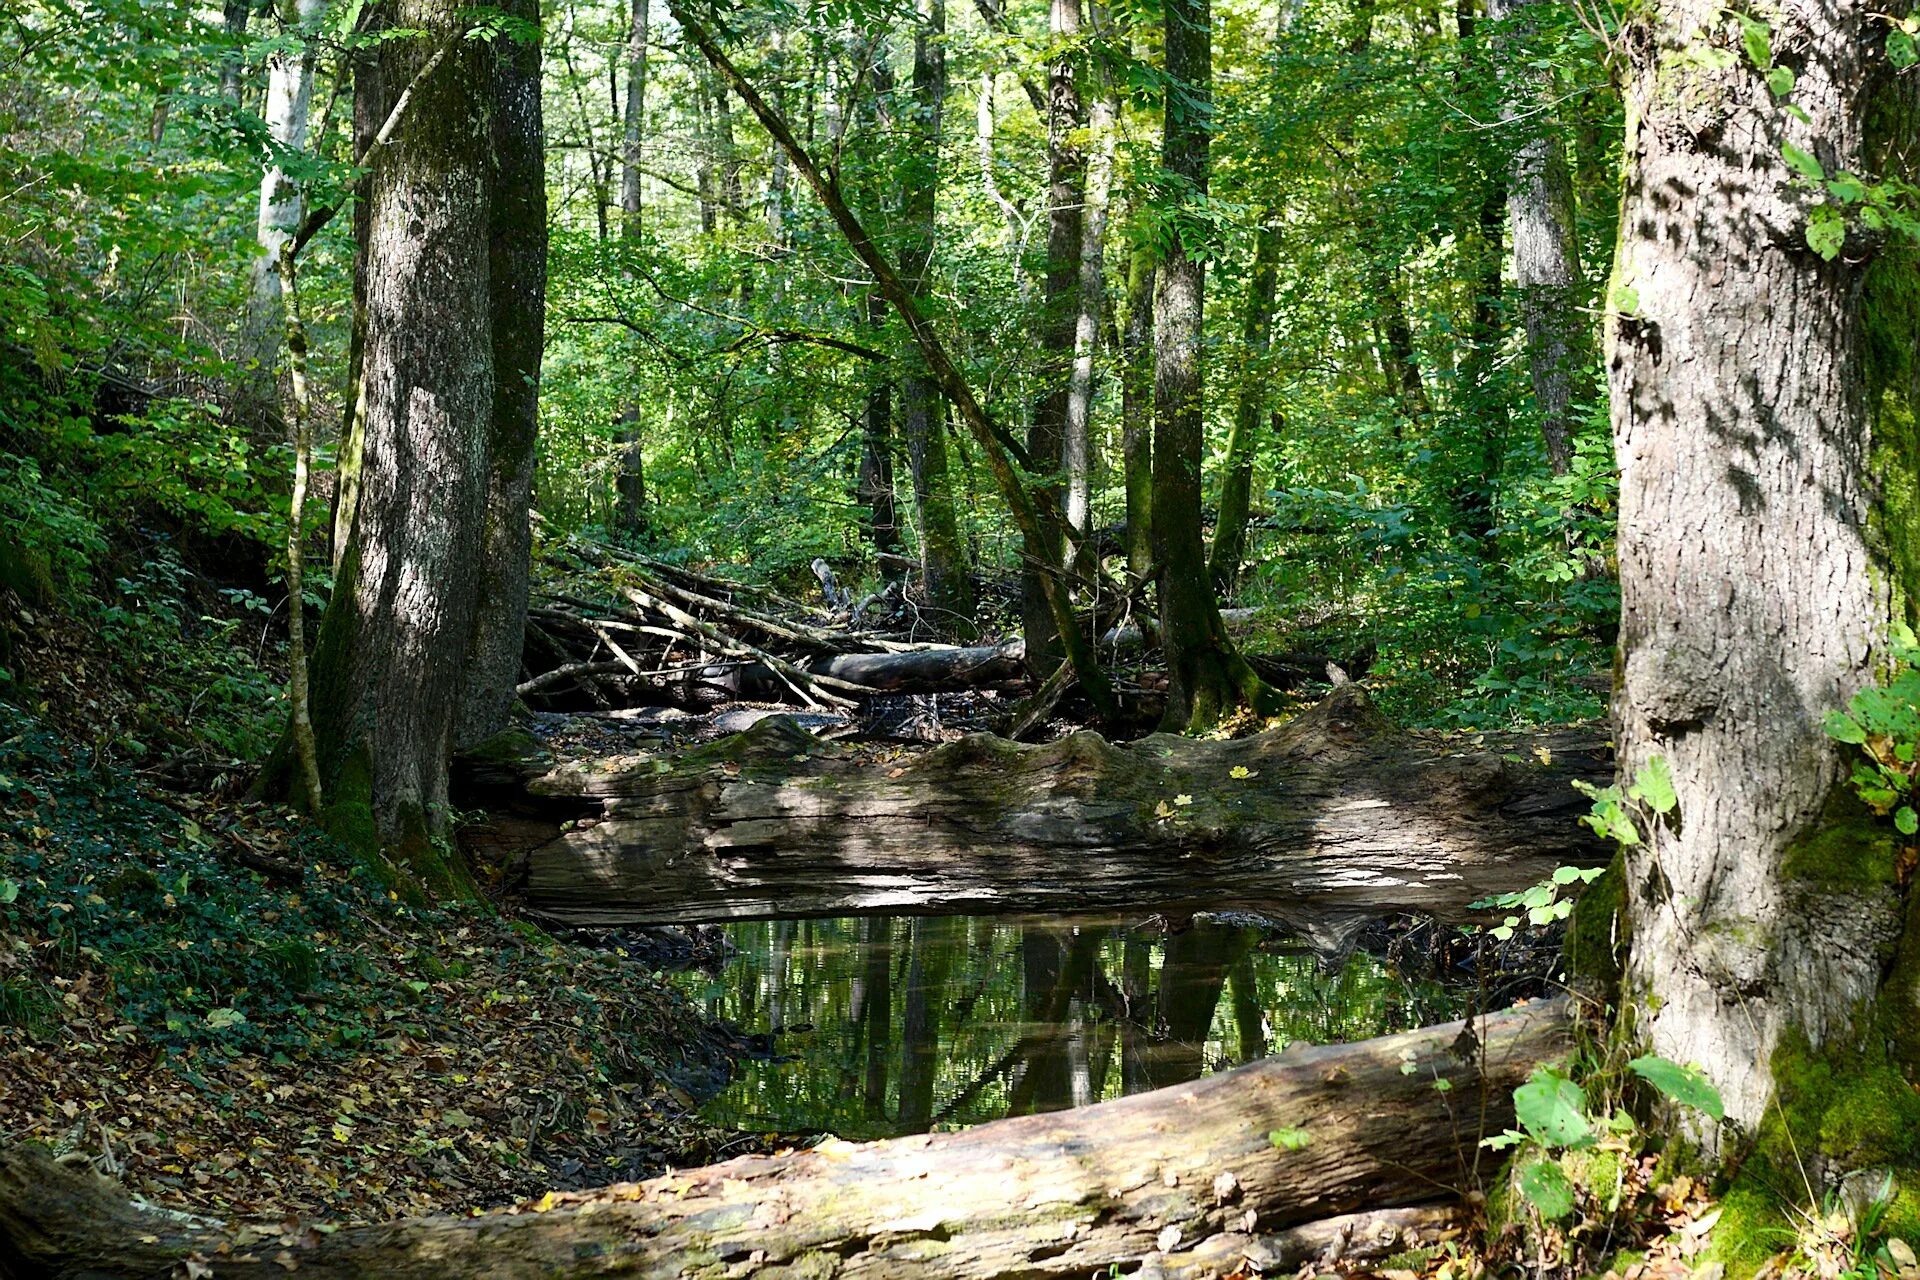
(201, 997)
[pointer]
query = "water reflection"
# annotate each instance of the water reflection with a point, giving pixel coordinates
(898, 1025)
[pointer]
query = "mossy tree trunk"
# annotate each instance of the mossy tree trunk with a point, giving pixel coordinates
(1136, 406)
(1250, 406)
(388, 666)
(517, 280)
(1206, 676)
(1766, 546)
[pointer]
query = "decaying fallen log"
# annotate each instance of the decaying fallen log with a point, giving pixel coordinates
(1202, 1179)
(1334, 811)
(933, 669)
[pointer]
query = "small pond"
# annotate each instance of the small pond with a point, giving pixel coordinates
(876, 1026)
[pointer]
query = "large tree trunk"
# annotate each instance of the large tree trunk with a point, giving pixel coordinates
(1136, 407)
(1335, 813)
(517, 283)
(372, 101)
(943, 552)
(387, 670)
(1059, 314)
(282, 205)
(1206, 676)
(1546, 251)
(1185, 1179)
(1766, 547)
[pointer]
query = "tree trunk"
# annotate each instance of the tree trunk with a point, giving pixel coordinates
(1483, 410)
(943, 552)
(1250, 407)
(517, 282)
(387, 667)
(1136, 408)
(282, 206)
(1185, 1179)
(1077, 453)
(1766, 548)
(236, 14)
(1336, 814)
(876, 472)
(372, 101)
(630, 482)
(1207, 678)
(1546, 249)
(1060, 305)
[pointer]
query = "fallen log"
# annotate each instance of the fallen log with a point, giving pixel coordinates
(1202, 1179)
(928, 670)
(1334, 812)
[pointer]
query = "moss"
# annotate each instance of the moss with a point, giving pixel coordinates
(1597, 930)
(509, 747)
(1844, 850)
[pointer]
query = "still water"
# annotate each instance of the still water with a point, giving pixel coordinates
(878, 1026)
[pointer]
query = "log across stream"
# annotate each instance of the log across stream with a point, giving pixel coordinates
(1334, 814)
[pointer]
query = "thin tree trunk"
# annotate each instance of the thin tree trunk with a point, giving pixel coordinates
(1250, 407)
(236, 14)
(1206, 676)
(387, 667)
(517, 283)
(943, 552)
(299, 413)
(372, 101)
(630, 483)
(1766, 551)
(1136, 408)
(1546, 251)
(282, 207)
(876, 472)
(1078, 456)
(1060, 309)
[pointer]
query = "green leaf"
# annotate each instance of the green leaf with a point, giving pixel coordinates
(1625, 299)
(1552, 1108)
(8, 890)
(1758, 39)
(1684, 1085)
(1545, 1185)
(1798, 112)
(1901, 49)
(1846, 188)
(1842, 727)
(1653, 786)
(1802, 162)
(1567, 875)
(1781, 81)
(1906, 820)
(1826, 231)
(1289, 1139)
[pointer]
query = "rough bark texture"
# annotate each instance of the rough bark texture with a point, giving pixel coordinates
(1184, 1180)
(387, 666)
(1764, 550)
(630, 481)
(1206, 677)
(1336, 812)
(1546, 249)
(1136, 409)
(517, 283)
(1079, 452)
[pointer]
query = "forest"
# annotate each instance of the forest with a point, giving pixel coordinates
(960, 638)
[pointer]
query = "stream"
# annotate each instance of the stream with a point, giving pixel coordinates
(876, 1026)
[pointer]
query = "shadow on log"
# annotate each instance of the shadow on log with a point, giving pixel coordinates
(1184, 1181)
(1334, 812)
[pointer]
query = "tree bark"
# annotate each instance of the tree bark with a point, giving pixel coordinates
(1765, 551)
(387, 666)
(1250, 407)
(630, 482)
(943, 552)
(1185, 1179)
(1136, 408)
(1336, 813)
(1546, 249)
(1207, 678)
(1078, 455)
(517, 285)
(282, 206)
(1060, 305)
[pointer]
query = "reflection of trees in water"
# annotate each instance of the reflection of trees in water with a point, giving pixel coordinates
(923, 1022)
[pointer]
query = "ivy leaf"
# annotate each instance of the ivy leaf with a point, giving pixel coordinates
(1802, 162)
(1545, 1185)
(1553, 1109)
(1781, 81)
(1684, 1085)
